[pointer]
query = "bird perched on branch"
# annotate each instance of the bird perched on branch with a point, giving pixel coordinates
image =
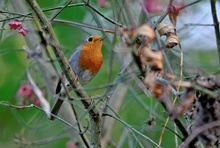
(86, 60)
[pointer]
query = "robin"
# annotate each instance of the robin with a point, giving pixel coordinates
(86, 60)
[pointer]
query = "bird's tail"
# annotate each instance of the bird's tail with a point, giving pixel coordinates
(58, 102)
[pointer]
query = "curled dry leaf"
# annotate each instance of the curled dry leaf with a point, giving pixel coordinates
(147, 31)
(152, 84)
(186, 99)
(209, 82)
(172, 40)
(173, 13)
(131, 35)
(164, 29)
(152, 58)
(170, 32)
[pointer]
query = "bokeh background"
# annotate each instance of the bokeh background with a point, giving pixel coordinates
(136, 108)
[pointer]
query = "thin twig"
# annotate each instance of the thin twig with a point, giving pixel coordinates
(4, 103)
(60, 11)
(190, 4)
(112, 89)
(131, 128)
(79, 127)
(70, 75)
(166, 12)
(195, 24)
(173, 132)
(216, 25)
(102, 15)
(86, 26)
(199, 130)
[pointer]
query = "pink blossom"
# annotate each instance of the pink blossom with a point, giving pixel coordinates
(15, 25)
(101, 3)
(154, 6)
(25, 90)
(22, 31)
(70, 144)
(36, 101)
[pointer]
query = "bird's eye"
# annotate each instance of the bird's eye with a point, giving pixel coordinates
(90, 39)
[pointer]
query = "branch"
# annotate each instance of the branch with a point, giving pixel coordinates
(131, 128)
(70, 75)
(86, 26)
(216, 25)
(111, 89)
(165, 14)
(8, 104)
(102, 15)
(199, 130)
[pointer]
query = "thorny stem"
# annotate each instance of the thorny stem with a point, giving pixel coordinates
(70, 75)
(216, 25)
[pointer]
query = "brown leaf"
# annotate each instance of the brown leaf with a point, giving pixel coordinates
(209, 82)
(152, 58)
(129, 35)
(172, 40)
(152, 84)
(164, 29)
(185, 102)
(173, 13)
(147, 31)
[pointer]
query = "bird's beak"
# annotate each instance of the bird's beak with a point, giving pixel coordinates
(102, 38)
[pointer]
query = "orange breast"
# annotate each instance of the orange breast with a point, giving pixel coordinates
(90, 57)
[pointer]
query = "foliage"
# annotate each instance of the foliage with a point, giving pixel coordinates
(154, 89)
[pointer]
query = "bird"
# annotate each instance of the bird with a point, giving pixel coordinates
(86, 61)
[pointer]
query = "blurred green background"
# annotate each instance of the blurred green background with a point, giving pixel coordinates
(135, 110)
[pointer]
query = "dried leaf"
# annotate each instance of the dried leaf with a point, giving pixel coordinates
(173, 13)
(129, 35)
(147, 31)
(152, 84)
(153, 58)
(185, 102)
(209, 82)
(164, 29)
(172, 40)
(138, 42)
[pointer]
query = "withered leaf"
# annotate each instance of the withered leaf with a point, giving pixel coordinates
(147, 31)
(172, 40)
(129, 35)
(152, 58)
(173, 13)
(152, 84)
(164, 29)
(186, 100)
